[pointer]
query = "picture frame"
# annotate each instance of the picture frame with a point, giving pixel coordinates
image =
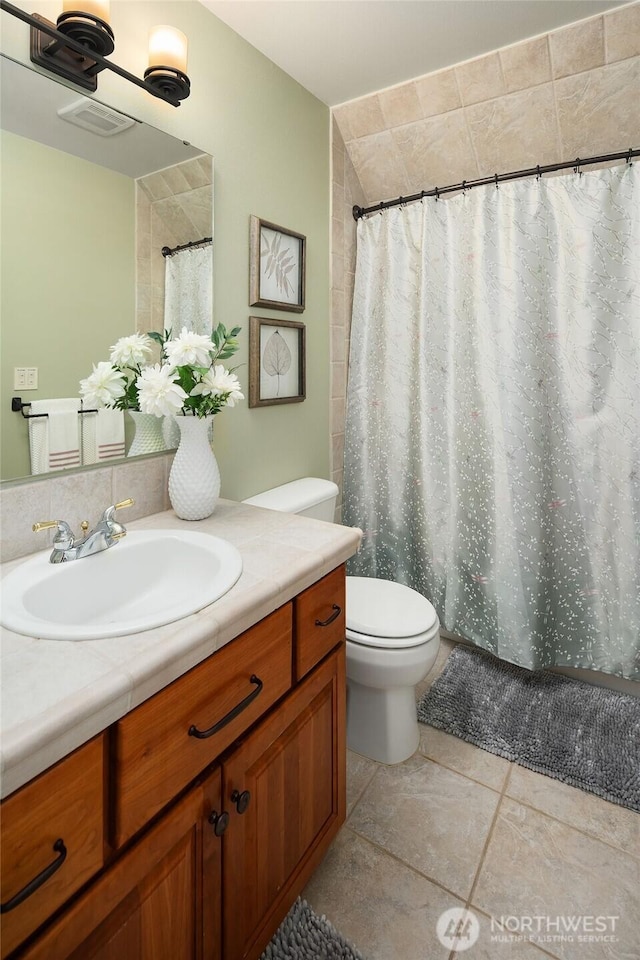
(277, 266)
(277, 361)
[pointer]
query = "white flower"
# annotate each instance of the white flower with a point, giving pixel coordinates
(189, 348)
(158, 393)
(103, 386)
(218, 382)
(131, 351)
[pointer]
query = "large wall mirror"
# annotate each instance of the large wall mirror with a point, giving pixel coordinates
(85, 218)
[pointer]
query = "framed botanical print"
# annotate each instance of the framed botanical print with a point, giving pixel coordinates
(276, 361)
(276, 266)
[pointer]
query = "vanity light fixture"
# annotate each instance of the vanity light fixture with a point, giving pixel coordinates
(76, 47)
(168, 62)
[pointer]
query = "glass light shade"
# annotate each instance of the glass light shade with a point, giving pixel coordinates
(168, 48)
(97, 8)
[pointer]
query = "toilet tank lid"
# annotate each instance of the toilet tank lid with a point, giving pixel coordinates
(295, 496)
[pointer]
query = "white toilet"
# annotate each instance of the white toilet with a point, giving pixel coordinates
(393, 636)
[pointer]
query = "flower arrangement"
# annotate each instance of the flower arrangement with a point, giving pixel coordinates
(189, 380)
(113, 382)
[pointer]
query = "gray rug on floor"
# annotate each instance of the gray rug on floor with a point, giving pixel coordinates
(303, 935)
(584, 735)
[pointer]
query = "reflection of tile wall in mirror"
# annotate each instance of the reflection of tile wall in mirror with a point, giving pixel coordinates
(175, 206)
(69, 287)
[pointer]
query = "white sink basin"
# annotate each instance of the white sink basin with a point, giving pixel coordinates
(147, 579)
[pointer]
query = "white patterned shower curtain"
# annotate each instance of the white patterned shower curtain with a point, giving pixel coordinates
(188, 290)
(492, 449)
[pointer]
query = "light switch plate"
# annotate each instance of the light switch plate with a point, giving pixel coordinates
(25, 378)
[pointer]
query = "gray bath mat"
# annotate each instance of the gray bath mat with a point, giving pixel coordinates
(303, 935)
(586, 736)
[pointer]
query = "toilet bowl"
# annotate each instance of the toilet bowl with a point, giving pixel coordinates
(392, 640)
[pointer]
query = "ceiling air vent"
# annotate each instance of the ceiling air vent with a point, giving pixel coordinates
(95, 117)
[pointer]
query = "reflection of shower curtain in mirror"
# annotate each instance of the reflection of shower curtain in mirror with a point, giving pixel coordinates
(188, 290)
(492, 445)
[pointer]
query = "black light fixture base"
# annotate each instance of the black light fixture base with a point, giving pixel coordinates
(170, 81)
(53, 56)
(93, 33)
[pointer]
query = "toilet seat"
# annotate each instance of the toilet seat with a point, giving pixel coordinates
(382, 613)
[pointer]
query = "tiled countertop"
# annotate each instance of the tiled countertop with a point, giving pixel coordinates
(57, 694)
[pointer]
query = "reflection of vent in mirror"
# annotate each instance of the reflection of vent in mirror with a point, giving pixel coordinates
(93, 116)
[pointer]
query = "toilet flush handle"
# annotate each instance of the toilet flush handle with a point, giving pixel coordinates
(333, 616)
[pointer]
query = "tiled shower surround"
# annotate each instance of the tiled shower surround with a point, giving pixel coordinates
(573, 92)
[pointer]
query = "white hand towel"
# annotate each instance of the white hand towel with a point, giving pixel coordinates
(56, 445)
(110, 434)
(102, 435)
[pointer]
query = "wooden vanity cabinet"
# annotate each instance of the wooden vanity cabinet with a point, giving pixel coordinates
(209, 864)
(159, 901)
(291, 769)
(52, 840)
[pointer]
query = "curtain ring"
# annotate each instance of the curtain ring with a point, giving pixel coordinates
(381, 207)
(421, 196)
(538, 174)
(437, 194)
(628, 160)
(577, 169)
(496, 180)
(464, 185)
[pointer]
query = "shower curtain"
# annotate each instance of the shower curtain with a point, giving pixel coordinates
(188, 290)
(492, 442)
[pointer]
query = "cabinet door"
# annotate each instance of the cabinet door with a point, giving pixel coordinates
(159, 901)
(293, 768)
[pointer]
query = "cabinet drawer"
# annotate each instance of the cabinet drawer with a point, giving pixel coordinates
(156, 748)
(63, 804)
(319, 620)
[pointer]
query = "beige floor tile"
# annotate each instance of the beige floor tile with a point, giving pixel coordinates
(431, 818)
(493, 945)
(360, 770)
(584, 811)
(463, 757)
(385, 909)
(538, 867)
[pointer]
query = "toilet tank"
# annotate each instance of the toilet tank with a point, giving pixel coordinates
(309, 497)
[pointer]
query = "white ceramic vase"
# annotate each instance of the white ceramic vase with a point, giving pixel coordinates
(194, 481)
(148, 436)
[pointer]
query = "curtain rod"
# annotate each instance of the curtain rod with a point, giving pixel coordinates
(169, 251)
(537, 171)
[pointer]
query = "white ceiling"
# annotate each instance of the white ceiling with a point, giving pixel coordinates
(342, 49)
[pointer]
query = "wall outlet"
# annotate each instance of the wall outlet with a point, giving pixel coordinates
(25, 378)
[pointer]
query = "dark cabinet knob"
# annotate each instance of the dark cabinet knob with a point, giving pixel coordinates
(219, 822)
(241, 800)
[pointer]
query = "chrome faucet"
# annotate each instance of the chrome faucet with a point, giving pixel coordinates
(65, 545)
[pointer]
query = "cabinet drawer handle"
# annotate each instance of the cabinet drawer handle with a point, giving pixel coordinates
(237, 710)
(336, 613)
(42, 877)
(241, 800)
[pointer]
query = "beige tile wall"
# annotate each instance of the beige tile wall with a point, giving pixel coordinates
(345, 192)
(173, 206)
(573, 92)
(78, 496)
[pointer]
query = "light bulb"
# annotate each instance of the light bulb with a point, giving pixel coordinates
(168, 48)
(97, 8)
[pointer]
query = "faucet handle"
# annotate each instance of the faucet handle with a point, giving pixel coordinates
(63, 538)
(109, 512)
(44, 525)
(62, 526)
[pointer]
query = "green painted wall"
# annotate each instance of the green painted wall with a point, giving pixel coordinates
(79, 214)
(270, 142)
